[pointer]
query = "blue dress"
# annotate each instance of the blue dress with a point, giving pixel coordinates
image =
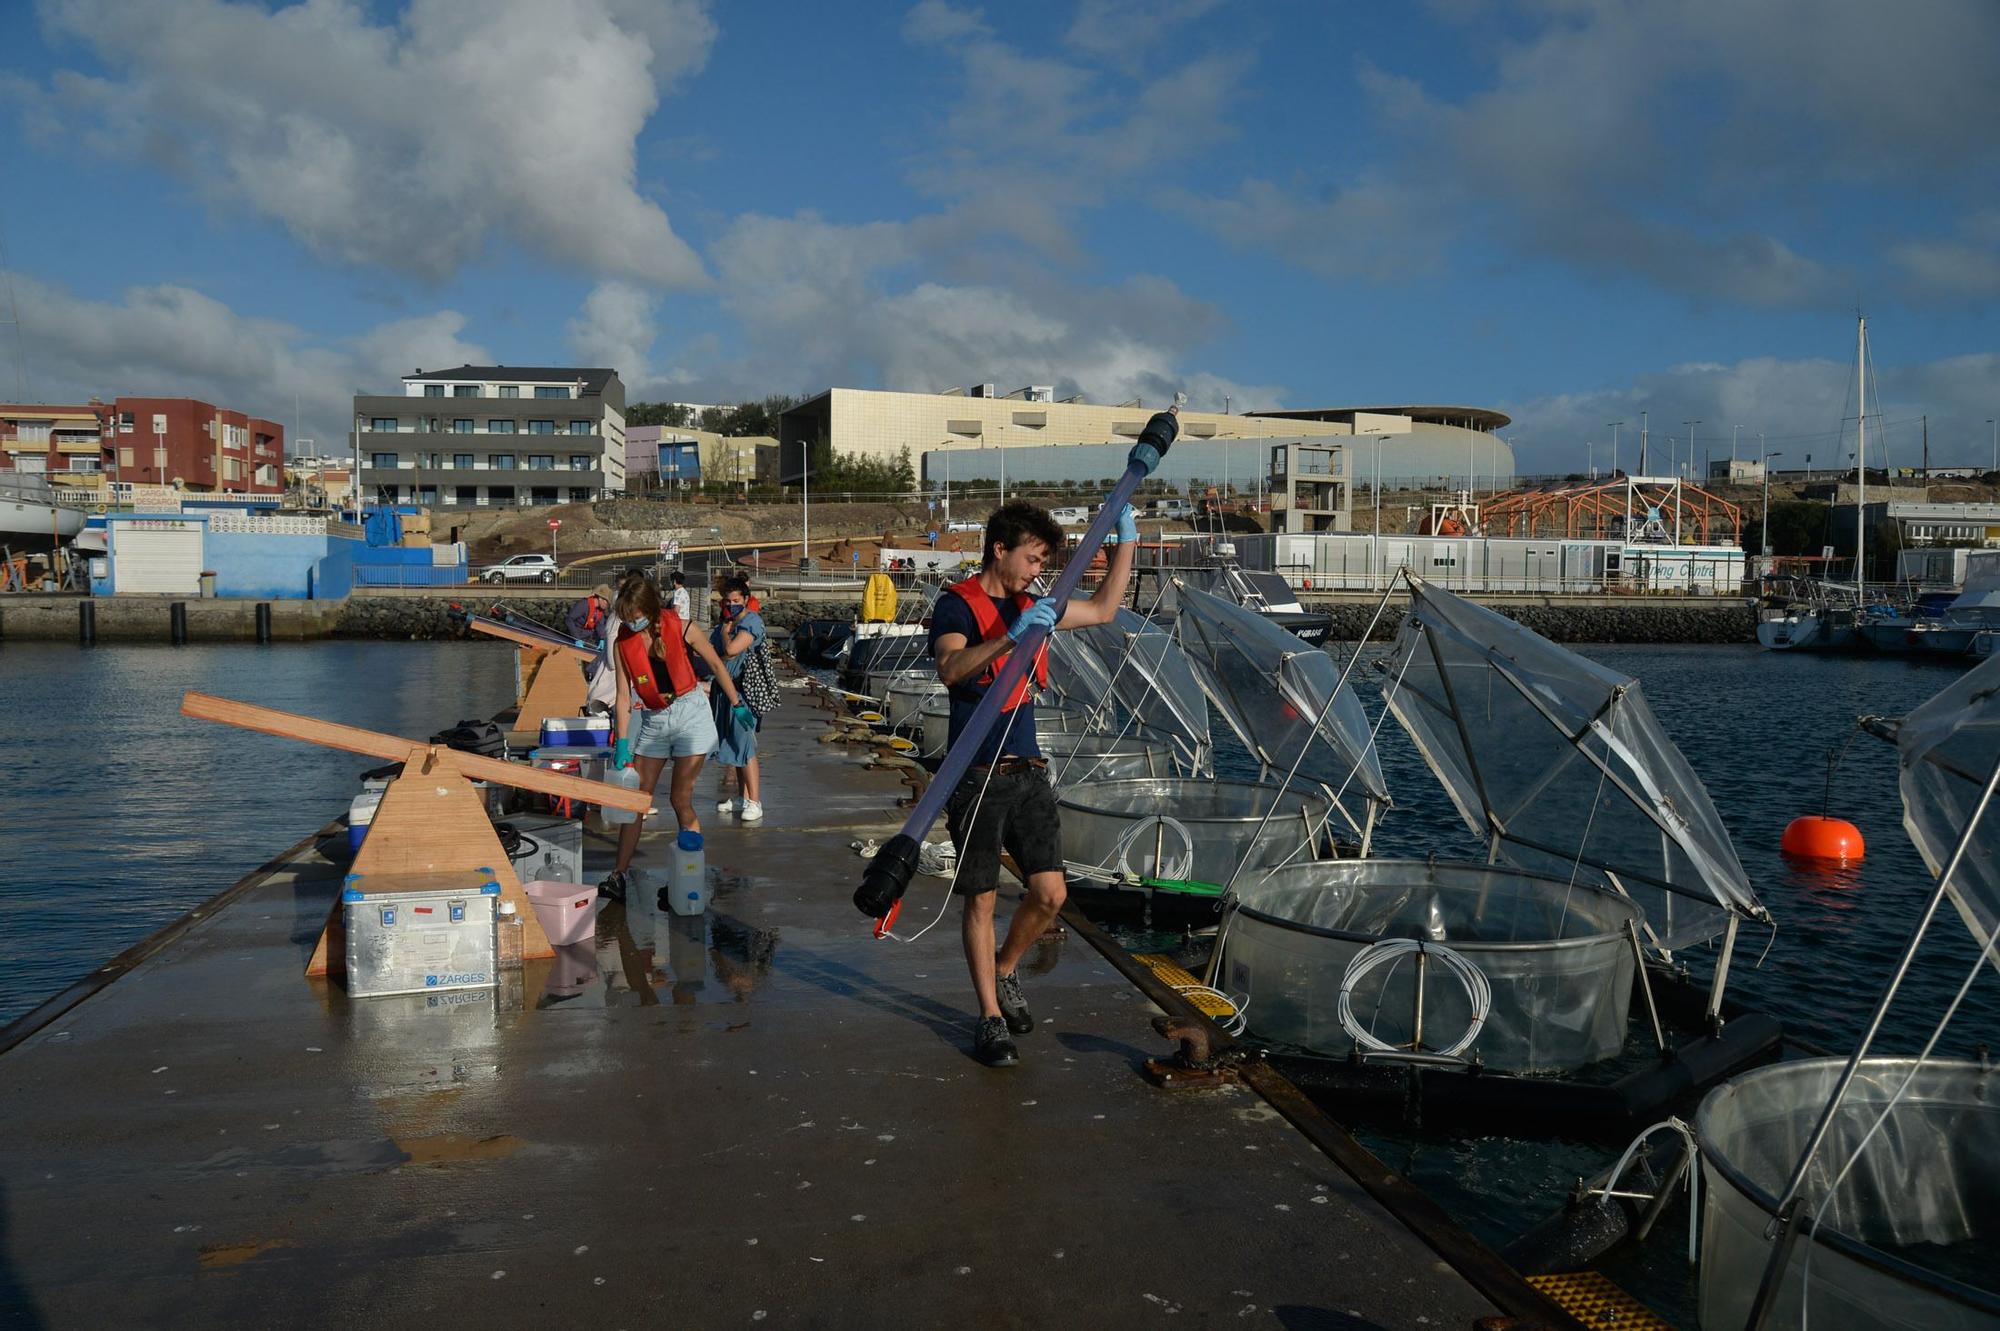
(735, 745)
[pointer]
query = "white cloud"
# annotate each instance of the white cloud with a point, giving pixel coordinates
(615, 328)
(413, 146)
(821, 304)
(1801, 407)
(173, 341)
(1717, 151)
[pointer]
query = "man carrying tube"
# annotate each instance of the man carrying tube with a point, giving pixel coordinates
(1005, 801)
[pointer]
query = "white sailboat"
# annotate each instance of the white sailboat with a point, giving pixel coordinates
(1825, 616)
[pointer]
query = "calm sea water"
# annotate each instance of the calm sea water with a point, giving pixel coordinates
(120, 814)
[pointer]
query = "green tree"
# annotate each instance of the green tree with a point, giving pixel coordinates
(673, 415)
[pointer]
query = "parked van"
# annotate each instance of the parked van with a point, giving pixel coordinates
(1071, 517)
(1170, 508)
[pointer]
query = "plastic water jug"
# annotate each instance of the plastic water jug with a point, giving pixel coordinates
(628, 777)
(687, 876)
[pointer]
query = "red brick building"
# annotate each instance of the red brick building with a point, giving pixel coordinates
(205, 448)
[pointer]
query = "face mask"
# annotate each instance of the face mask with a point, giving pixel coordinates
(731, 611)
(638, 625)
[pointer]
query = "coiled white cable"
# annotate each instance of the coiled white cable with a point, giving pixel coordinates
(1385, 952)
(1178, 870)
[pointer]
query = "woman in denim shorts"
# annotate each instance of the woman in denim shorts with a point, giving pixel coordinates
(682, 732)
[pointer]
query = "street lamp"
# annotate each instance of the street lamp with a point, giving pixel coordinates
(1614, 444)
(1996, 445)
(1690, 425)
(1764, 542)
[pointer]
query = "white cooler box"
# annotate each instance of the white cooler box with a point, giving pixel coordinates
(418, 933)
(571, 732)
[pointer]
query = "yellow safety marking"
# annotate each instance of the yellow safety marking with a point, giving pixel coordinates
(1594, 1301)
(1210, 1004)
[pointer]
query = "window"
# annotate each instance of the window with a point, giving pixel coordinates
(433, 390)
(501, 462)
(546, 391)
(499, 427)
(124, 422)
(465, 390)
(463, 425)
(125, 458)
(382, 461)
(581, 427)
(541, 427)
(579, 495)
(500, 494)
(462, 461)
(579, 462)
(541, 462)
(468, 494)
(543, 494)
(383, 425)
(510, 390)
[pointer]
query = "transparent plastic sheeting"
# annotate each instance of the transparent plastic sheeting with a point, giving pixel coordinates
(1948, 748)
(1561, 764)
(1269, 685)
(1136, 666)
(1558, 958)
(1080, 760)
(933, 723)
(1112, 820)
(1916, 1220)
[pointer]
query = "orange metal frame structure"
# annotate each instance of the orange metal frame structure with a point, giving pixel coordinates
(1588, 512)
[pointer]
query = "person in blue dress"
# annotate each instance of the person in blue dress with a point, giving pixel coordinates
(734, 637)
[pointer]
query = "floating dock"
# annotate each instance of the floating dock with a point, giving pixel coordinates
(756, 1116)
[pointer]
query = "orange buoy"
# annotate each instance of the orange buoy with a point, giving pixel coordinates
(1817, 837)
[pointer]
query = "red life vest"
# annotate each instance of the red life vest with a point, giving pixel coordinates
(640, 668)
(991, 626)
(592, 615)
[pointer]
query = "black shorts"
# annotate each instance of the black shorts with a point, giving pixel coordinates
(1018, 815)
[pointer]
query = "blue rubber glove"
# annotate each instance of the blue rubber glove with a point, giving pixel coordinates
(742, 717)
(1042, 614)
(1127, 531)
(621, 753)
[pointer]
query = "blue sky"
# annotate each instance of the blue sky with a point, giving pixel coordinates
(1572, 211)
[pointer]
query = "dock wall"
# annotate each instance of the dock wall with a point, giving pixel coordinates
(1650, 619)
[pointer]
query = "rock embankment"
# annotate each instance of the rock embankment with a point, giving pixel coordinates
(1681, 621)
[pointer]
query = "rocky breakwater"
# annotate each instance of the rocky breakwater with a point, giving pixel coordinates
(788, 615)
(1722, 620)
(430, 617)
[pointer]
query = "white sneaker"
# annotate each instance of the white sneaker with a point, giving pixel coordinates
(727, 806)
(753, 811)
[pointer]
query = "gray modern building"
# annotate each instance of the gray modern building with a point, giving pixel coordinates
(505, 436)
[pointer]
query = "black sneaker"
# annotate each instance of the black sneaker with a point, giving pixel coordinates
(991, 1045)
(1012, 1006)
(613, 886)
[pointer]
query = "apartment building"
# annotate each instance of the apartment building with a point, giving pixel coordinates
(64, 441)
(184, 442)
(500, 435)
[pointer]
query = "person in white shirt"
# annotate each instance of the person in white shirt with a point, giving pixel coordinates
(682, 604)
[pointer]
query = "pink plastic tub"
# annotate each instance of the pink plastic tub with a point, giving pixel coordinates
(567, 913)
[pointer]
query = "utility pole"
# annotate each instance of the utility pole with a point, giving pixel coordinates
(1644, 431)
(1927, 449)
(1690, 425)
(1614, 445)
(1734, 431)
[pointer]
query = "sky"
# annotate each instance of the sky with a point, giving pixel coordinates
(1572, 211)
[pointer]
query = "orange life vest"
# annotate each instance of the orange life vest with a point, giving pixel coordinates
(991, 626)
(640, 668)
(592, 616)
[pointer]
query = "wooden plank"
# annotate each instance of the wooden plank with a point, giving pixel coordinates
(374, 744)
(495, 628)
(556, 687)
(431, 821)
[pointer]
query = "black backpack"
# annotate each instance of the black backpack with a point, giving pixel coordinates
(479, 737)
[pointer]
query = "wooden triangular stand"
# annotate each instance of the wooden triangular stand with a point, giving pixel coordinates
(430, 820)
(550, 682)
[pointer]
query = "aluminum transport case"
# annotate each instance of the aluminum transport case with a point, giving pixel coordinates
(417, 933)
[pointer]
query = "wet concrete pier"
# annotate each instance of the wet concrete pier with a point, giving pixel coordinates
(758, 1116)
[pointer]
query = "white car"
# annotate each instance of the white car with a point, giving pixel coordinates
(1070, 517)
(522, 568)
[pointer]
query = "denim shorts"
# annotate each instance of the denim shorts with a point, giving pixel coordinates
(683, 729)
(1018, 815)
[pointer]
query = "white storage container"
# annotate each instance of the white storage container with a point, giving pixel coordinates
(569, 732)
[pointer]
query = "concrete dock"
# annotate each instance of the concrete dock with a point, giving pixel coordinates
(759, 1116)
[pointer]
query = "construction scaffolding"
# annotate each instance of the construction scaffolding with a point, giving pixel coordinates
(1638, 510)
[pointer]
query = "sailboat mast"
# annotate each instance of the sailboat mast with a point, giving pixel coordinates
(1861, 471)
